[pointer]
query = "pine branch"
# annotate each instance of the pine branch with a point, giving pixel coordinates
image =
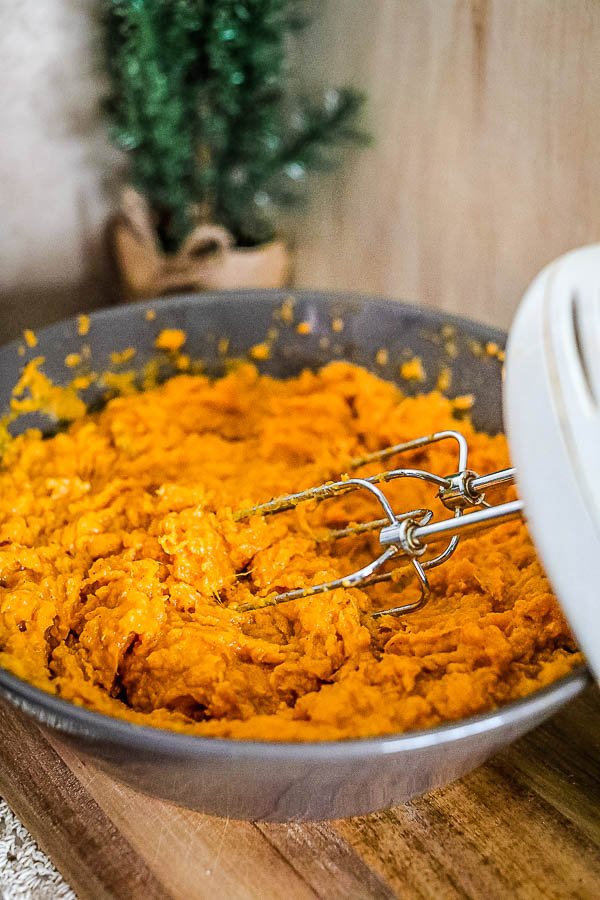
(199, 103)
(153, 104)
(326, 126)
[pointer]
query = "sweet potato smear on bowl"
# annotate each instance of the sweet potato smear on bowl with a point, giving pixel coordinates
(123, 571)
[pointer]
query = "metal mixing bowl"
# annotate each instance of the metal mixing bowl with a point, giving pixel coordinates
(278, 781)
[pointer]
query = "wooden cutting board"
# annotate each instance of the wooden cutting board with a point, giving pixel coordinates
(526, 825)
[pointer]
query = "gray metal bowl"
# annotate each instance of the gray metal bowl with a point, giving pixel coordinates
(281, 781)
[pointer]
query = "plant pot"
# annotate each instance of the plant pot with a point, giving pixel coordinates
(264, 266)
(207, 261)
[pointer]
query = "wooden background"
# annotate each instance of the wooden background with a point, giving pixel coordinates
(486, 115)
(487, 158)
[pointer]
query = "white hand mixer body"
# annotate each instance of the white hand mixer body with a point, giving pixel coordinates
(552, 412)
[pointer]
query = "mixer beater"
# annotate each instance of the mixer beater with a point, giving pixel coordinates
(407, 534)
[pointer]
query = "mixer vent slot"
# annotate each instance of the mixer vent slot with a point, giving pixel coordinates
(581, 347)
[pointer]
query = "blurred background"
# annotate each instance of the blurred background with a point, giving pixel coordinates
(484, 163)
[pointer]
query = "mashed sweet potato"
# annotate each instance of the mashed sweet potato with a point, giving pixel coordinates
(122, 570)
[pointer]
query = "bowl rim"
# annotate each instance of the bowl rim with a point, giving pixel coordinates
(71, 718)
(271, 296)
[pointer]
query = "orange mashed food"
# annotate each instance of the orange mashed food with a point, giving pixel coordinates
(123, 570)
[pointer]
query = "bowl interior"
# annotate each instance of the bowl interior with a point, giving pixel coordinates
(340, 326)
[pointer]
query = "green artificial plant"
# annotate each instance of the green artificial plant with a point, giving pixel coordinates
(200, 102)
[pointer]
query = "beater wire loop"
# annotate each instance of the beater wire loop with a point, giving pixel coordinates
(404, 536)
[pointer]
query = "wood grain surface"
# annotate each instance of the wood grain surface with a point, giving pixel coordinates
(486, 157)
(525, 825)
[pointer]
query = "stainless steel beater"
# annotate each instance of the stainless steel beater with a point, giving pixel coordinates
(406, 535)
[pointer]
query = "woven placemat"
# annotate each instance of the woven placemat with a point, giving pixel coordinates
(26, 873)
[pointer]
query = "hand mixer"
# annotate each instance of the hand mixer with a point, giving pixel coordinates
(552, 411)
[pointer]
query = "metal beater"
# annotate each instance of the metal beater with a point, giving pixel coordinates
(405, 535)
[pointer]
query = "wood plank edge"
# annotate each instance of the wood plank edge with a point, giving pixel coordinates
(70, 827)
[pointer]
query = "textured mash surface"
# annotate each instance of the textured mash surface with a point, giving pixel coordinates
(122, 569)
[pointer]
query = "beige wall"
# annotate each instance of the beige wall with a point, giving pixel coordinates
(54, 161)
(486, 164)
